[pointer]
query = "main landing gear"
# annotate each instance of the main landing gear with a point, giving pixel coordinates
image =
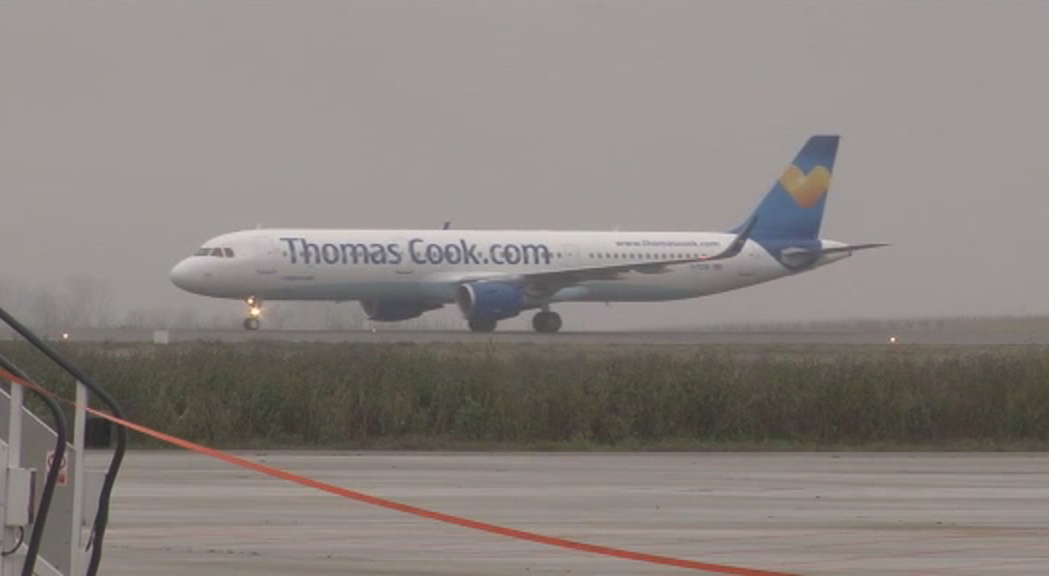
(482, 325)
(546, 322)
(254, 313)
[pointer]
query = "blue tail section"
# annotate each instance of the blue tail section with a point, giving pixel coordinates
(793, 209)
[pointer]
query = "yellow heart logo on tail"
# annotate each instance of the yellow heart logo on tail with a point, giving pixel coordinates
(805, 189)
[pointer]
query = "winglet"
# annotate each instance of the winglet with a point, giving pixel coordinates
(739, 242)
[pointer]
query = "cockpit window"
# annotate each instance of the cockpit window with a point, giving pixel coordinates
(215, 252)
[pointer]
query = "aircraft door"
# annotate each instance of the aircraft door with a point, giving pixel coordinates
(747, 262)
(569, 255)
(267, 254)
(404, 268)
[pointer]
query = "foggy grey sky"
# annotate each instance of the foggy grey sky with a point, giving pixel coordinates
(130, 132)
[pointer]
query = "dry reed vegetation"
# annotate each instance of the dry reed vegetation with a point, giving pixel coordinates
(500, 396)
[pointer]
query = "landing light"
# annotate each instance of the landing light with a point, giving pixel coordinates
(892, 339)
(65, 335)
(255, 311)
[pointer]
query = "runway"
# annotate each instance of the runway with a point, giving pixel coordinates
(956, 337)
(176, 513)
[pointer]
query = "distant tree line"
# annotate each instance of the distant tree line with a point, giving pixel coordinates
(79, 301)
(83, 301)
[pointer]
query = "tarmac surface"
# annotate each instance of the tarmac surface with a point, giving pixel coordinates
(178, 513)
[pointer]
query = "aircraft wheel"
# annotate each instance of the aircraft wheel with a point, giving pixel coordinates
(546, 322)
(482, 325)
(251, 324)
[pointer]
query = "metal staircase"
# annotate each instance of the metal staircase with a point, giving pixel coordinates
(54, 509)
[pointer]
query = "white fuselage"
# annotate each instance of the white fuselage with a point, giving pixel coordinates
(428, 265)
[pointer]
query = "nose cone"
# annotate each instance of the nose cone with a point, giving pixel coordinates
(187, 275)
(179, 275)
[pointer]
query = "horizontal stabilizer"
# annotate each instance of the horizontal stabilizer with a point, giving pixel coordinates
(802, 257)
(852, 248)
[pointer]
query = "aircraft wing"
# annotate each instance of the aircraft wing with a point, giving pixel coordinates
(550, 281)
(553, 280)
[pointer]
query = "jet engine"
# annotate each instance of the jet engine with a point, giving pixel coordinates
(489, 300)
(395, 310)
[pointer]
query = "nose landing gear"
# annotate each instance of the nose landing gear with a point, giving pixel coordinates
(252, 322)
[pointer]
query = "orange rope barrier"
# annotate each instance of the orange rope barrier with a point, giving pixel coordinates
(408, 509)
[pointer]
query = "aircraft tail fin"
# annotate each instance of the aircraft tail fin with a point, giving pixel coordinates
(793, 208)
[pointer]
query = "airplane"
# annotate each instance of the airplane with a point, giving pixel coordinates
(494, 275)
